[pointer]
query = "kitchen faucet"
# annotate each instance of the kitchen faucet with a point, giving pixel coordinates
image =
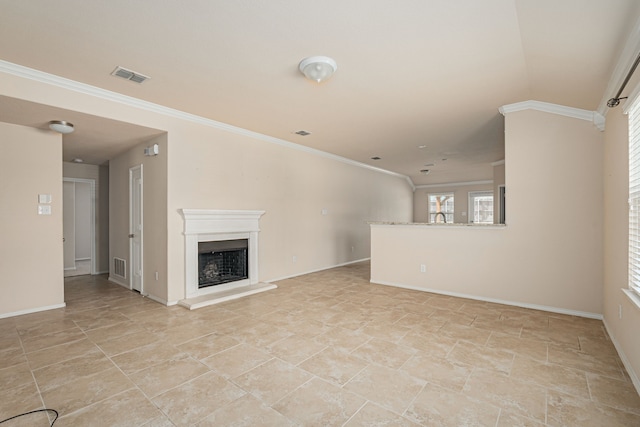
(444, 217)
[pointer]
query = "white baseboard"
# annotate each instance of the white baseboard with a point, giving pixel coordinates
(151, 297)
(497, 301)
(118, 282)
(632, 374)
(33, 310)
(160, 300)
(315, 271)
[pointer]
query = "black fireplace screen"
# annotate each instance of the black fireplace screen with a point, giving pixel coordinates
(222, 261)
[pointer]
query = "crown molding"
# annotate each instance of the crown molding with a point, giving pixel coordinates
(455, 184)
(64, 83)
(623, 65)
(577, 113)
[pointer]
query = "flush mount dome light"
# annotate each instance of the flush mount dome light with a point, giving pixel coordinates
(318, 68)
(61, 126)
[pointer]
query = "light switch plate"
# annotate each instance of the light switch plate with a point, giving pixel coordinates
(44, 198)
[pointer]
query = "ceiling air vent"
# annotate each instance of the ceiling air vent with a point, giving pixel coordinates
(129, 75)
(302, 133)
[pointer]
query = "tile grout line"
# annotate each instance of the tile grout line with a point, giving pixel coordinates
(355, 413)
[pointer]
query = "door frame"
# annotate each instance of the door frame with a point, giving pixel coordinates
(131, 227)
(502, 201)
(92, 215)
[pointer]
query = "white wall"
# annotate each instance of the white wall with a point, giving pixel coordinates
(549, 254)
(213, 169)
(31, 244)
(154, 178)
(623, 331)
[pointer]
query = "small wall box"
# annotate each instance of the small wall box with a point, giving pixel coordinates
(44, 198)
(152, 150)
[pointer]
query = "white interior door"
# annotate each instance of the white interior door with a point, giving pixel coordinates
(135, 227)
(69, 224)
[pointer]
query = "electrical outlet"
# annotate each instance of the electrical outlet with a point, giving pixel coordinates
(156, 275)
(294, 259)
(353, 248)
(44, 209)
(423, 268)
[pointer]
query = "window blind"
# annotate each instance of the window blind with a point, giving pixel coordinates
(634, 197)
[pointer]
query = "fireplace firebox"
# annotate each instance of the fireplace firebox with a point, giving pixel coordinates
(222, 261)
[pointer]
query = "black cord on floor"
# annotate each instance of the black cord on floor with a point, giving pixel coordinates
(33, 412)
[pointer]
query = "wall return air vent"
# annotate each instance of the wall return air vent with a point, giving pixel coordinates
(129, 75)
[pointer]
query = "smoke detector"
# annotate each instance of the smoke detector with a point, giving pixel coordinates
(133, 76)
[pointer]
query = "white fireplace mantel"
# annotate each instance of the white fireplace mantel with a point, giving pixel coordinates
(204, 225)
(198, 221)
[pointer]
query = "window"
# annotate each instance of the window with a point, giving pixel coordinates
(634, 197)
(481, 207)
(441, 208)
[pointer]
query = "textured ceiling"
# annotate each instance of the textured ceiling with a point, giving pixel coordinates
(410, 73)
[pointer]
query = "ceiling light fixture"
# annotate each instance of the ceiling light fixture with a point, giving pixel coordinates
(61, 126)
(318, 68)
(77, 160)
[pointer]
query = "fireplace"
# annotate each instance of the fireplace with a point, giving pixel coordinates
(221, 256)
(222, 261)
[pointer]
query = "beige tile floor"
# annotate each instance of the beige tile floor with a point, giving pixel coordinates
(324, 349)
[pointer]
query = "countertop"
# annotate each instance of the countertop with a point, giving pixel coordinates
(443, 225)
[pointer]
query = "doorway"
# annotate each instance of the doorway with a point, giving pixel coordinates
(503, 210)
(136, 228)
(79, 226)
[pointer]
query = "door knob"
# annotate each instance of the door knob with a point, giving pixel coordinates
(131, 236)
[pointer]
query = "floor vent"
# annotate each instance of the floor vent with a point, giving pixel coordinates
(129, 75)
(120, 267)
